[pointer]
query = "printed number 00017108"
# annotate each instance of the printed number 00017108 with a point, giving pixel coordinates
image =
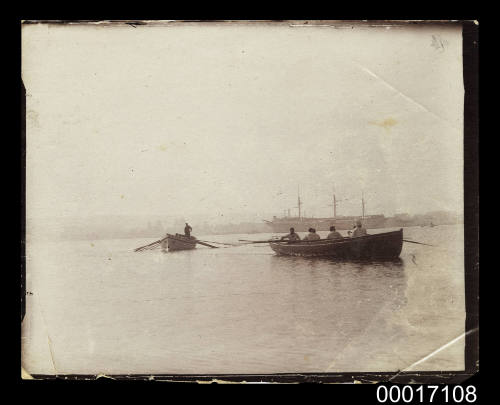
(430, 393)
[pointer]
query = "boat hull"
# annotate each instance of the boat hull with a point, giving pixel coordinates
(179, 242)
(387, 245)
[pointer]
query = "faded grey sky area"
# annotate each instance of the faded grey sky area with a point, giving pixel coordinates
(230, 119)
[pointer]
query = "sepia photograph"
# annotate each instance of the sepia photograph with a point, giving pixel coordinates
(243, 198)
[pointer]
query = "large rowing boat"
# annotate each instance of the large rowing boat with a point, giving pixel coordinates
(385, 245)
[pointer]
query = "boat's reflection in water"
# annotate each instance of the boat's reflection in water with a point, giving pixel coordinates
(315, 262)
(376, 281)
(366, 285)
(343, 305)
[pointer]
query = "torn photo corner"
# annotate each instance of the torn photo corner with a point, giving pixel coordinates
(167, 163)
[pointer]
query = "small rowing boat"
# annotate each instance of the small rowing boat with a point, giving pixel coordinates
(179, 242)
(385, 245)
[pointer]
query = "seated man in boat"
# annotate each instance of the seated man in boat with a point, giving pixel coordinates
(312, 235)
(187, 230)
(359, 230)
(291, 236)
(334, 234)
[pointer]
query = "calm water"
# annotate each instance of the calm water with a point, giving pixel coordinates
(98, 307)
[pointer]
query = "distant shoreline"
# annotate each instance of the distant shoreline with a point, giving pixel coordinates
(203, 235)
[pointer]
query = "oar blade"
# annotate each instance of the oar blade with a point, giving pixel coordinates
(418, 243)
(149, 246)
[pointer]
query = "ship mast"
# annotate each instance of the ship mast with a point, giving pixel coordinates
(334, 205)
(362, 205)
(299, 202)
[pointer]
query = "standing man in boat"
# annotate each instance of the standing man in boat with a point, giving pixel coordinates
(334, 234)
(291, 236)
(187, 230)
(359, 230)
(312, 235)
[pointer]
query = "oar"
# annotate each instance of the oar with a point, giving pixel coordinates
(147, 248)
(150, 245)
(220, 243)
(206, 244)
(418, 243)
(262, 241)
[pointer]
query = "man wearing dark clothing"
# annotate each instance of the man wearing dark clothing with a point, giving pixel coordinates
(292, 236)
(187, 230)
(334, 234)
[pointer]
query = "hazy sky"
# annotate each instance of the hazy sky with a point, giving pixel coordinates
(220, 119)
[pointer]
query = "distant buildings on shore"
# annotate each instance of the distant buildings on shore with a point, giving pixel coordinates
(121, 228)
(427, 219)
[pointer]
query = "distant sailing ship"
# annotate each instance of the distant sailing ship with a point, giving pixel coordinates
(303, 223)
